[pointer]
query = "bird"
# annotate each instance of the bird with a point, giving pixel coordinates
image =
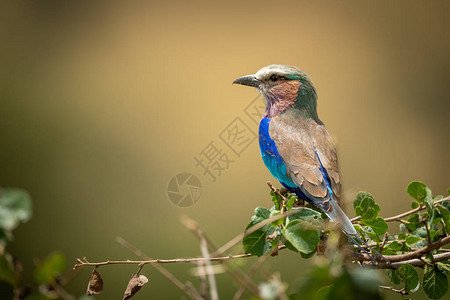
(294, 143)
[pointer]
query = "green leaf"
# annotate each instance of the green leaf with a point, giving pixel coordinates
(430, 208)
(359, 197)
(50, 268)
(306, 214)
(387, 251)
(303, 235)
(414, 204)
(402, 228)
(444, 266)
(446, 204)
(401, 236)
(8, 272)
(445, 214)
(261, 214)
(394, 276)
(436, 217)
(435, 283)
(367, 208)
(410, 277)
(307, 255)
(256, 244)
(378, 225)
(15, 207)
(373, 236)
(395, 245)
(413, 222)
(419, 191)
(411, 240)
(274, 213)
(421, 232)
(433, 234)
(291, 201)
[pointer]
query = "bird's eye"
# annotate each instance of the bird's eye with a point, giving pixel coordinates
(274, 77)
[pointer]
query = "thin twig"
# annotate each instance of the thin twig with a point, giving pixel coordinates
(396, 260)
(243, 279)
(386, 235)
(81, 263)
(208, 268)
(277, 192)
(201, 273)
(428, 231)
(389, 288)
(405, 214)
(375, 244)
(193, 290)
(62, 292)
(158, 267)
(251, 273)
(407, 256)
(252, 229)
(416, 262)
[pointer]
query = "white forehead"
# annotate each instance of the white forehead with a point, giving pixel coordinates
(268, 71)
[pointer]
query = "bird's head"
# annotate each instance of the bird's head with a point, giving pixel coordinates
(283, 87)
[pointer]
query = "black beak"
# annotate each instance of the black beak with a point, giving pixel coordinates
(249, 80)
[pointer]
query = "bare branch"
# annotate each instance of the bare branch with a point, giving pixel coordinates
(157, 261)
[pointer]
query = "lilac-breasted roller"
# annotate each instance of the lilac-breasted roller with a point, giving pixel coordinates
(295, 145)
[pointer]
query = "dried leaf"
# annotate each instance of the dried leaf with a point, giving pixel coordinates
(95, 285)
(134, 285)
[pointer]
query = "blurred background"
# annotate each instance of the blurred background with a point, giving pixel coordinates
(101, 104)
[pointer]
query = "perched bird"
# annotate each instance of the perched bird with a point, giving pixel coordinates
(295, 145)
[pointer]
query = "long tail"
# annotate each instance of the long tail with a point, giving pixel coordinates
(331, 208)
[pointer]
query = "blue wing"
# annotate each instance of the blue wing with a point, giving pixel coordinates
(276, 164)
(278, 168)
